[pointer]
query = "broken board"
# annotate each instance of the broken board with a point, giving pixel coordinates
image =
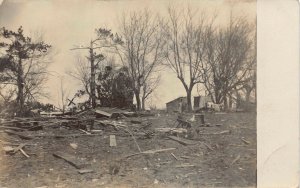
(102, 113)
(70, 159)
(112, 141)
(182, 140)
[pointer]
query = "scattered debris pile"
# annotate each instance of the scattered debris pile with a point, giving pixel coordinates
(138, 132)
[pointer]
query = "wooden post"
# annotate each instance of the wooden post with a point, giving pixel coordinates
(200, 118)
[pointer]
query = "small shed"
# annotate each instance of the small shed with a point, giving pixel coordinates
(200, 102)
(177, 105)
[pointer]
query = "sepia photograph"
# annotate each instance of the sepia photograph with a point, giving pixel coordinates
(128, 93)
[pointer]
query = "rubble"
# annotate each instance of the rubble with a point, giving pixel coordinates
(120, 137)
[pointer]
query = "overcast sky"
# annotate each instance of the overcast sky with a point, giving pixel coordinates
(66, 23)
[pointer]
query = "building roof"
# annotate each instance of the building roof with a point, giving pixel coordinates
(175, 99)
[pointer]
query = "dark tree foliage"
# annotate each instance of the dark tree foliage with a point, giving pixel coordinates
(115, 88)
(19, 52)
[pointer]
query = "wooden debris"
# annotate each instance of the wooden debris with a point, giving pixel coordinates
(8, 149)
(24, 153)
(245, 141)
(182, 140)
(84, 171)
(112, 141)
(209, 147)
(156, 151)
(19, 134)
(184, 165)
(96, 131)
(218, 133)
(235, 160)
(151, 152)
(174, 156)
(185, 157)
(84, 131)
(184, 123)
(133, 139)
(200, 118)
(12, 128)
(136, 122)
(102, 113)
(67, 135)
(70, 159)
(171, 130)
(19, 147)
(74, 145)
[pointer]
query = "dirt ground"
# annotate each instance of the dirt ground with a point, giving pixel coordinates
(218, 159)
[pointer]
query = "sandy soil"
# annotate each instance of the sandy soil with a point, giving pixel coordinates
(223, 160)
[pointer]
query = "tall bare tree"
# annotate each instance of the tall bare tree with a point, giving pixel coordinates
(104, 39)
(231, 55)
(63, 94)
(81, 72)
(141, 50)
(187, 32)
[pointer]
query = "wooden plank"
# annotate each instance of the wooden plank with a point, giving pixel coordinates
(68, 135)
(70, 159)
(84, 171)
(112, 141)
(182, 141)
(151, 151)
(102, 113)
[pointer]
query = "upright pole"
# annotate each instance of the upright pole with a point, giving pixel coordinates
(92, 76)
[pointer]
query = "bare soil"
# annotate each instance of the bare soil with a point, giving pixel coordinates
(222, 160)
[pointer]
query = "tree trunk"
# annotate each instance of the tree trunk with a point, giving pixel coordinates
(138, 100)
(143, 103)
(225, 103)
(248, 93)
(189, 99)
(21, 83)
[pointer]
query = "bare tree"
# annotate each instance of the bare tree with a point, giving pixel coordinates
(231, 55)
(188, 34)
(104, 39)
(63, 94)
(81, 72)
(141, 50)
(148, 88)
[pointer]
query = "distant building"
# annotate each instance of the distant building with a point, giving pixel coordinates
(200, 102)
(177, 105)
